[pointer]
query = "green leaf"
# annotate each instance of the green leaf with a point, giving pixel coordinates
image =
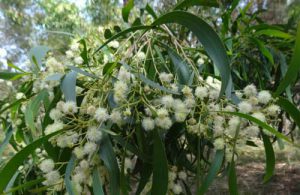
(208, 38)
(33, 108)
(261, 124)
(84, 52)
(25, 185)
(36, 56)
(189, 3)
(293, 69)
(12, 181)
(155, 85)
(10, 64)
(270, 158)
(232, 181)
(181, 68)
(145, 174)
(274, 33)
(108, 156)
(290, 108)
(11, 167)
(11, 75)
(126, 9)
(212, 173)
(80, 71)
(68, 182)
(160, 166)
(124, 32)
(68, 86)
(97, 184)
(8, 134)
(150, 10)
(263, 49)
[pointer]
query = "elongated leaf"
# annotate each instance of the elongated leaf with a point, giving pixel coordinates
(126, 9)
(263, 49)
(8, 134)
(189, 3)
(145, 174)
(54, 77)
(11, 75)
(274, 33)
(108, 156)
(10, 64)
(270, 158)
(12, 166)
(150, 10)
(208, 38)
(124, 32)
(212, 173)
(261, 124)
(97, 184)
(155, 85)
(67, 179)
(290, 108)
(293, 69)
(37, 54)
(160, 166)
(12, 181)
(80, 71)
(181, 68)
(84, 52)
(25, 185)
(68, 86)
(32, 108)
(232, 181)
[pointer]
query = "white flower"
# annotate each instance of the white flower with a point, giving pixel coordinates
(264, 97)
(114, 44)
(187, 91)
(182, 175)
(127, 112)
(245, 107)
(124, 75)
(91, 110)
(214, 94)
(70, 107)
(252, 130)
(79, 153)
(120, 91)
(219, 143)
(79, 177)
(116, 117)
(55, 114)
(250, 90)
(229, 108)
(177, 189)
(89, 148)
(69, 54)
(20, 96)
(214, 83)
(128, 164)
(101, 115)
(259, 116)
(233, 123)
(148, 123)
(141, 56)
(47, 165)
(52, 178)
(74, 47)
(201, 92)
(162, 112)
(67, 140)
(200, 61)
(167, 101)
(54, 127)
(78, 60)
(93, 134)
(163, 122)
(273, 110)
(165, 77)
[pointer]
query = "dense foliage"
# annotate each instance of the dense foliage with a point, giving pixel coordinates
(163, 105)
